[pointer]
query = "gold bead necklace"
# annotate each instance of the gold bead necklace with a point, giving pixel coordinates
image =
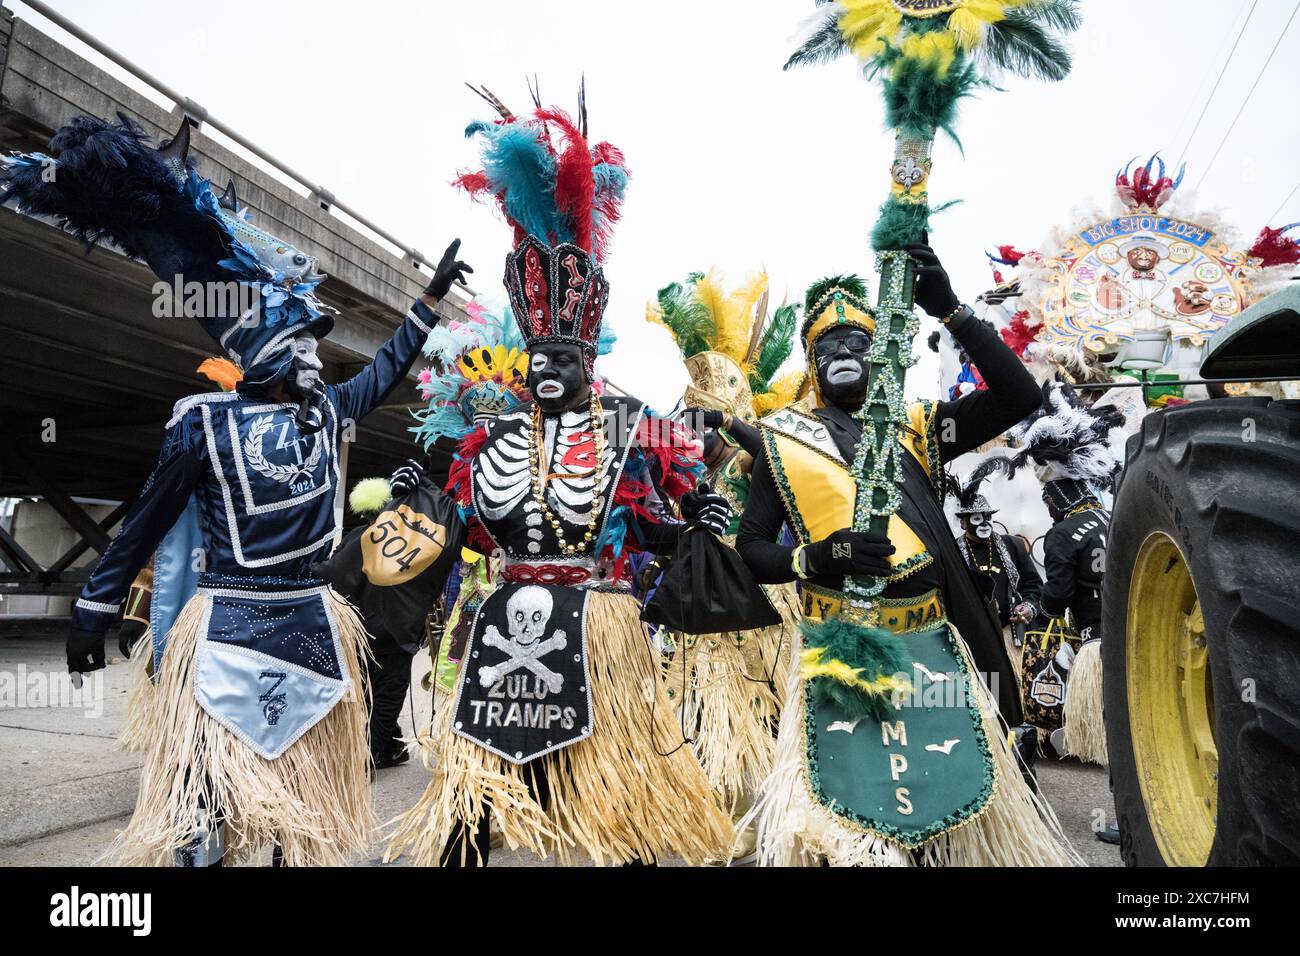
(537, 465)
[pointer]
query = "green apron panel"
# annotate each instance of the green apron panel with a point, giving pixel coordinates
(919, 775)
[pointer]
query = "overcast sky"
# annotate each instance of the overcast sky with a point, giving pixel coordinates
(734, 162)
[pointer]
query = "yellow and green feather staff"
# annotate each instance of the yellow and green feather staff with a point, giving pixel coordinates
(928, 55)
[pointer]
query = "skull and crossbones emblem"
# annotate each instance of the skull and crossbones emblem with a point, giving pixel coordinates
(528, 611)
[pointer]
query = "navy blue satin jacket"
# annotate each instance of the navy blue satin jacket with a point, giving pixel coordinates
(266, 492)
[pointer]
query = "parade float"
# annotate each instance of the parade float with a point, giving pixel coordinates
(1132, 295)
(1200, 331)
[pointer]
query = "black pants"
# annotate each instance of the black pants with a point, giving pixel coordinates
(390, 676)
(466, 849)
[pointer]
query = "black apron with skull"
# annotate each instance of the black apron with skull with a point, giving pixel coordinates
(524, 689)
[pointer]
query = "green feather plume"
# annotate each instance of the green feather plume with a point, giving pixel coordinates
(774, 346)
(850, 283)
(1023, 42)
(690, 322)
(875, 651)
(919, 99)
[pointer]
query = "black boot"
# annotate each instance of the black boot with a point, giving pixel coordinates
(1026, 747)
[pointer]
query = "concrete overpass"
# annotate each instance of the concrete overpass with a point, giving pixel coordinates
(88, 375)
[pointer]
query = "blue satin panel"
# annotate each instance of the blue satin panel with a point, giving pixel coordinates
(175, 577)
(269, 670)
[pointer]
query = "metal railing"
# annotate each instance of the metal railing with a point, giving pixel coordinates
(200, 116)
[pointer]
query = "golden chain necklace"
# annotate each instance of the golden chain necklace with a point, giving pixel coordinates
(537, 465)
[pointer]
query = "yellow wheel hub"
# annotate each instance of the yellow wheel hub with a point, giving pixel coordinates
(1171, 704)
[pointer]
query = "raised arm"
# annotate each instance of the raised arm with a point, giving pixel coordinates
(1012, 394)
(367, 390)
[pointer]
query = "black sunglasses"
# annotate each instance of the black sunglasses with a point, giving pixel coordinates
(854, 342)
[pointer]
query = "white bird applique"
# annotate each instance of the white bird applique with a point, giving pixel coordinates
(848, 726)
(944, 748)
(933, 677)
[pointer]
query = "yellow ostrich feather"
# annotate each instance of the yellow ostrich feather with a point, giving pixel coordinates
(711, 293)
(865, 23)
(937, 49)
(783, 391)
(736, 329)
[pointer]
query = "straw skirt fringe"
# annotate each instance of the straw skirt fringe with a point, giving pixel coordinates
(1016, 828)
(137, 733)
(631, 791)
(1085, 730)
(731, 696)
(313, 800)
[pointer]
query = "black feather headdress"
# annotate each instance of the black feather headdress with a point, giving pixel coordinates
(1067, 439)
(967, 491)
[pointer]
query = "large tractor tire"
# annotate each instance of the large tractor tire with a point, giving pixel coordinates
(1201, 637)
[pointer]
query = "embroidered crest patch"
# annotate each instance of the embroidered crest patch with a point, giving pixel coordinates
(524, 689)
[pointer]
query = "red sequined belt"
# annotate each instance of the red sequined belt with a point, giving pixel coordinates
(565, 575)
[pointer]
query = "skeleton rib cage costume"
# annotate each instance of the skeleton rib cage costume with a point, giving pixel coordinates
(255, 729)
(559, 684)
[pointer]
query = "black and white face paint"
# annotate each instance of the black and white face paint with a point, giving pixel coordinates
(556, 376)
(304, 386)
(841, 356)
(304, 376)
(979, 526)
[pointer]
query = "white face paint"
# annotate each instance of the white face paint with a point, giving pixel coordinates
(982, 527)
(548, 389)
(843, 370)
(307, 361)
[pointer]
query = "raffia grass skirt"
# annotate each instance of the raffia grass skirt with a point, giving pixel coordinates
(1085, 730)
(1016, 827)
(138, 728)
(730, 694)
(631, 791)
(313, 801)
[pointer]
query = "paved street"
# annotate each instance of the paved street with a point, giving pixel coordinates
(65, 788)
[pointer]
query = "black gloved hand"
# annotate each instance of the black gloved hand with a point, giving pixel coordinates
(406, 478)
(933, 291)
(449, 270)
(705, 507)
(858, 553)
(699, 419)
(85, 651)
(129, 635)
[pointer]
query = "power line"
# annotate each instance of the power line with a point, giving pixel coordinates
(1191, 136)
(1253, 86)
(1282, 204)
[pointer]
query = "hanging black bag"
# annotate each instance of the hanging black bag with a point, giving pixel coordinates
(707, 589)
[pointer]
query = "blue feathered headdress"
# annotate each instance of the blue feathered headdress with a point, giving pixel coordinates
(106, 184)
